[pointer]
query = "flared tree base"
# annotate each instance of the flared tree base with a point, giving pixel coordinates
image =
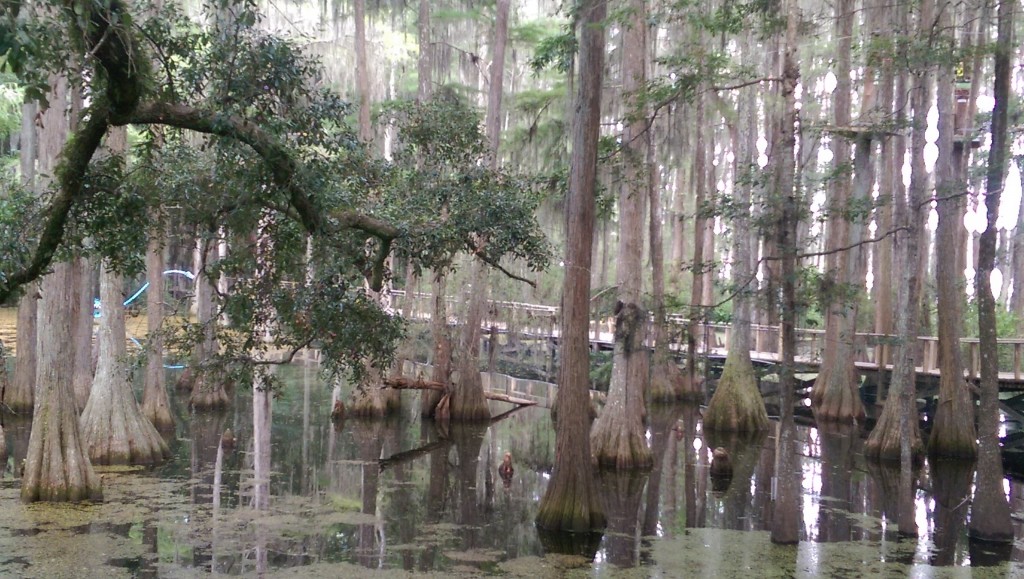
(571, 508)
(159, 416)
(668, 382)
(207, 396)
(737, 405)
(121, 436)
(367, 402)
(836, 396)
(953, 434)
(616, 445)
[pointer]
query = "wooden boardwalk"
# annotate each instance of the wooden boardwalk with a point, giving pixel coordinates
(540, 323)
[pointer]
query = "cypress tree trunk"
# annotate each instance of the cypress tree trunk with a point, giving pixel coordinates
(737, 404)
(693, 385)
(898, 421)
(835, 394)
(362, 71)
(113, 427)
(208, 390)
(571, 502)
(953, 434)
(82, 322)
(786, 517)
(618, 439)
(57, 467)
(990, 512)
(467, 396)
(155, 404)
(18, 395)
(667, 380)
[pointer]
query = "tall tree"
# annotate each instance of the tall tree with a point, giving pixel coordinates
(737, 404)
(18, 396)
(786, 518)
(990, 512)
(468, 402)
(155, 404)
(571, 502)
(113, 427)
(953, 433)
(618, 439)
(896, 436)
(57, 467)
(835, 394)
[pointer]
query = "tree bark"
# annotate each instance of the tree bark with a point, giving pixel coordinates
(467, 396)
(113, 427)
(835, 394)
(786, 517)
(57, 467)
(990, 511)
(82, 323)
(667, 380)
(155, 404)
(693, 384)
(618, 439)
(953, 434)
(18, 396)
(737, 404)
(208, 389)
(571, 502)
(896, 435)
(362, 72)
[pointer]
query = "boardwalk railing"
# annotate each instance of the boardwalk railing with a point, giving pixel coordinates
(539, 322)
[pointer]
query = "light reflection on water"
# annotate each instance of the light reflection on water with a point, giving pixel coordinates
(403, 494)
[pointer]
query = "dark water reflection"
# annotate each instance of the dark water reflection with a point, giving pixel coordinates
(405, 495)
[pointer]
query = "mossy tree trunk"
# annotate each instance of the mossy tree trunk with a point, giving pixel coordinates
(571, 502)
(737, 404)
(953, 434)
(155, 404)
(990, 512)
(113, 426)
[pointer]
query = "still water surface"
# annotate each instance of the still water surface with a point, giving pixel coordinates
(390, 498)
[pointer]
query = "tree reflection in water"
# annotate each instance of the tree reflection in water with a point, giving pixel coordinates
(423, 497)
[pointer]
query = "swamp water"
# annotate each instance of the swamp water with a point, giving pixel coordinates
(400, 497)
